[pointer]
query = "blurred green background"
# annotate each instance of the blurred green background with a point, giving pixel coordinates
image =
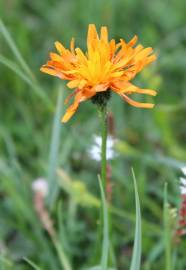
(34, 143)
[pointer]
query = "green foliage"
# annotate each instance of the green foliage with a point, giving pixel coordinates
(33, 142)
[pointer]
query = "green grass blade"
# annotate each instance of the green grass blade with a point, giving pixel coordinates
(34, 266)
(167, 232)
(65, 263)
(4, 261)
(99, 267)
(11, 65)
(136, 256)
(54, 149)
(15, 50)
(38, 91)
(105, 243)
(60, 242)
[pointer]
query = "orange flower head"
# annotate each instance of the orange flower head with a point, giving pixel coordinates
(105, 66)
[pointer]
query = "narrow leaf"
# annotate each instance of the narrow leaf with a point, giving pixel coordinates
(167, 232)
(15, 50)
(99, 267)
(5, 261)
(136, 256)
(54, 149)
(15, 68)
(34, 266)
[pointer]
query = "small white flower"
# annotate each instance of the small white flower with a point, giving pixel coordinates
(184, 170)
(97, 140)
(183, 190)
(40, 185)
(183, 182)
(95, 149)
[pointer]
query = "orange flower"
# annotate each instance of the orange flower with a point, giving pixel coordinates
(106, 65)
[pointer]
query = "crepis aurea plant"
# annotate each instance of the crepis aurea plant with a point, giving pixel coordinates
(105, 67)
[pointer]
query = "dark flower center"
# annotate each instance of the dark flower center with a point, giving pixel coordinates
(101, 98)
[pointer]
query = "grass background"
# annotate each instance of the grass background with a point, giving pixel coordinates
(33, 143)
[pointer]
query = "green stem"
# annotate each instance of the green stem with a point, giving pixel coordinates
(62, 256)
(105, 218)
(103, 145)
(102, 111)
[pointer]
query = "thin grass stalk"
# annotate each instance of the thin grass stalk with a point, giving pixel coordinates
(4, 31)
(167, 233)
(62, 256)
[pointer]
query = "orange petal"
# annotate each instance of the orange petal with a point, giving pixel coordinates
(55, 64)
(82, 83)
(53, 72)
(146, 92)
(104, 34)
(100, 88)
(71, 95)
(60, 48)
(150, 59)
(137, 104)
(122, 63)
(73, 84)
(72, 45)
(92, 34)
(117, 74)
(138, 48)
(112, 47)
(70, 111)
(55, 57)
(48, 71)
(122, 87)
(132, 42)
(80, 55)
(143, 54)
